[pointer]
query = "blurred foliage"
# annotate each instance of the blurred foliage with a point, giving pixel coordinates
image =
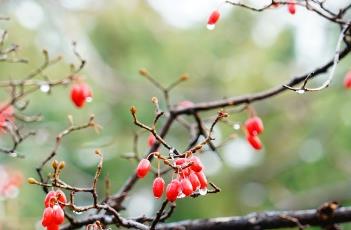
(307, 137)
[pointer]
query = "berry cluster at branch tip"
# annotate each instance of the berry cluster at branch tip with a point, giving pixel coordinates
(254, 127)
(53, 214)
(190, 178)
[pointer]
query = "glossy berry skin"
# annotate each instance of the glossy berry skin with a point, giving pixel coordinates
(202, 179)
(47, 218)
(292, 7)
(347, 80)
(254, 126)
(186, 186)
(254, 141)
(197, 165)
(151, 140)
(158, 187)
(58, 216)
(214, 17)
(143, 168)
(54, 197)
(50, 199)
(173, 190)
(80, 93)
(53, 227)
(194, 180)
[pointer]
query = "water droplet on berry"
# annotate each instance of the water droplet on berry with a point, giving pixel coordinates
(236, 126)
(211, 26)
(89, 99)
(300, 91)
(203, 191)
(181, 195)
(44, 88)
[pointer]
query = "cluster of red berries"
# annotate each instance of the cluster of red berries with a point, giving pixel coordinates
(53, 214)
(6, 115)
(291, 6)
(215, 15)
(81, 93)
(190, 178)
(254, 127)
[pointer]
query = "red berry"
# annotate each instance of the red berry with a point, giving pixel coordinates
(197, 165)
(187, 187)
(58, 216)
(202, 179)
(214, 17)
(47, 217)
(50, 199)
(151, 140)
(292, 6)
(61, 197)
(347, 80)
(143, 168)
(80, 93)
(158, 187)
(54, 197)
(53, 227)
(194, 181)
(254, 126)
(172, 190)
(254, 141)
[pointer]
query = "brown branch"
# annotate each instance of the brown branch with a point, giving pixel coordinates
(263, 220)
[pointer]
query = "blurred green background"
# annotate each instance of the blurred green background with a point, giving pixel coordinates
(306, 157)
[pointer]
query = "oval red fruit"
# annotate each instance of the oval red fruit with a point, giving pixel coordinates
(202, 179)
(61, 197)
(292, 7)
(187, 187)
(197, 166)
(80, 93)
(194, 181)
(151, 140)
(254, 126)
(47, 217)
(214, 17)
(143, 168)
(158, 187)
(172, 190)
(50, 199)
(58, 216)
(347, 80)
(254, 141)
(53, 227)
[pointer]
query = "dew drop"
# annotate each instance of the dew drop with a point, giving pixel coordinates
(211, 26)
(180, 195)
(203, 191)
(236, 126)
(44, 88)
(89, 99)
(300, 91)
(77, 213)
